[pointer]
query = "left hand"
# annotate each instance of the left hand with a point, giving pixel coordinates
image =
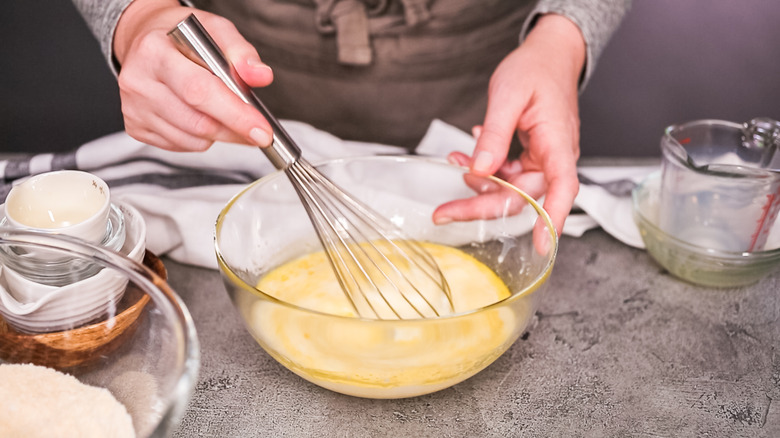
(532, 92)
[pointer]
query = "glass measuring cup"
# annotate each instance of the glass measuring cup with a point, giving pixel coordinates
(720, 183)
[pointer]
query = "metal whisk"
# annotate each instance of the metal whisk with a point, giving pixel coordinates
(384, 274)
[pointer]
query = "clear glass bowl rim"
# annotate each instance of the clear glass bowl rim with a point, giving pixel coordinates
(538, 282)
(715, 253)
(161, 295)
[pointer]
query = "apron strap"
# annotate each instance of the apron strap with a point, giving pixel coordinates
(416, 12)
(349, 20)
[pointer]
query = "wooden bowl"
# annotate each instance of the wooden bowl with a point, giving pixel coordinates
(85, 344)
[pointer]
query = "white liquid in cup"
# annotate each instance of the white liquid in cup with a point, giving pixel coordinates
(69, 202)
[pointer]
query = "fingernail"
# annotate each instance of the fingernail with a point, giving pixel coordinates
(514, 167)
(541, 237)
(482, 162)
(257, 63)
(443, 220)
(260, 137)
(452, 160)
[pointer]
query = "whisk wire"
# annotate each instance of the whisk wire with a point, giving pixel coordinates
(366, 272)
(363, 247)
(315, 211)
(389, 231)
(334, 235)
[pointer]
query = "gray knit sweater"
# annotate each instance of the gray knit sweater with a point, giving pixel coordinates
(597, 20)
(408, 62)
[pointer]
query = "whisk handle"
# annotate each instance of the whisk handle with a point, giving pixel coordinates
(195, 43)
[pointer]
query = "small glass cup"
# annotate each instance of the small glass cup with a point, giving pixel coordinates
(53, 268)
(716, 189)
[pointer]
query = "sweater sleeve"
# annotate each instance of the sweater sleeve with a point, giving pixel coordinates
(101, 17)
(597, 20)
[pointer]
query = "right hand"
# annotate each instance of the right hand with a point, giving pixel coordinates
(173, 103)
(533, 93)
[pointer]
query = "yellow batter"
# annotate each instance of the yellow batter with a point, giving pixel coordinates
(382, 359)
(309, 282)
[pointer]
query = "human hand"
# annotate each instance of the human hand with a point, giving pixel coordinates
(533, 92)
(173, 103)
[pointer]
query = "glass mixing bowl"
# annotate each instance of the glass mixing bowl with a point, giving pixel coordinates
(697, 264)
(144, 350)
(266, 225)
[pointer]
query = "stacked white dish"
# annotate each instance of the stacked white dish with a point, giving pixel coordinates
(43, 292)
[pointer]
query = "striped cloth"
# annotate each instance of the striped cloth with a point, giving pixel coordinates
(180, 194)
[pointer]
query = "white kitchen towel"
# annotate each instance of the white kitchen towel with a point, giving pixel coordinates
(613, 213)
(180, 194)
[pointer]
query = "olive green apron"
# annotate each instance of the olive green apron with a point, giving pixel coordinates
(378, 70)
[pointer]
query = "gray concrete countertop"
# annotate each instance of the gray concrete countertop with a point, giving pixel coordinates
(619, 348)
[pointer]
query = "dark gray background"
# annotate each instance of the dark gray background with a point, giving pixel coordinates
(671, 61)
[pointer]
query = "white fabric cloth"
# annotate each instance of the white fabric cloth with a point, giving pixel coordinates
(180, 221)
(612, 213)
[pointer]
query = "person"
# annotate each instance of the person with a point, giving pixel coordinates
(509, 71)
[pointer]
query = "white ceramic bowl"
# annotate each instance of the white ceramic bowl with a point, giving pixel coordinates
(33, 306)
(70, 202)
